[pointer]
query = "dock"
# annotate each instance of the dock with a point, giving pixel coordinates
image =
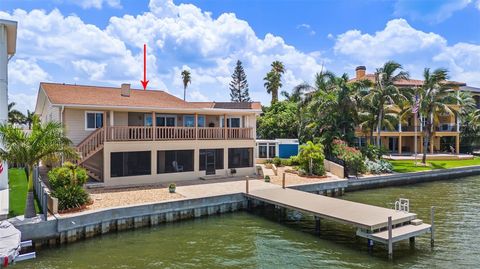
(382, 225)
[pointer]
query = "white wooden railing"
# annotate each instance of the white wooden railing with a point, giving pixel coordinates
(91, 143)
(142, 133)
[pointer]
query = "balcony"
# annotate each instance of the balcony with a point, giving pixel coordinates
(144, 133)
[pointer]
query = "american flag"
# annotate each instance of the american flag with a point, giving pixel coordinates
(416, 104)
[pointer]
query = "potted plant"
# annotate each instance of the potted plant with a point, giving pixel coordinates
(172, 187)
(267, 178)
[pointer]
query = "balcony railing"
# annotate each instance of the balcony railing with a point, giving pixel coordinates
(144, 133)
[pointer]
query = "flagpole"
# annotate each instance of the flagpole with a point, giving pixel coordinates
(415, 127)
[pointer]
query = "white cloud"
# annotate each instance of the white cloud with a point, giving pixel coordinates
(307, 28)
(23, 102)
(397, 38)
(429, 11)
(478, 4)
(98, 4)
(26, 72)
(413, 48)
(177, 36)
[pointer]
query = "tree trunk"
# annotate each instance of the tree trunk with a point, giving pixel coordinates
(426, 137)
(274, 96)
(379, 126)
(30, 204)
(184, 93)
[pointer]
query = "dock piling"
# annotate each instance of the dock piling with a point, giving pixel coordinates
(432, 228)
(283, 180)
(412, 241)
(390, 244)
(317, 225)
(246, 185)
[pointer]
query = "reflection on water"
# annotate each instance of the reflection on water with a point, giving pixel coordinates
(263, 239)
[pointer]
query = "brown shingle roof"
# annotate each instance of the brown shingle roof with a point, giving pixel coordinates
(67, 94)
(406, 82)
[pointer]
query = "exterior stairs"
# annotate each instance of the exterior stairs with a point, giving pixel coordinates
(89, 147)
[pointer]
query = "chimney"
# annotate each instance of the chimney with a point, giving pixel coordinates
(125, 90)
(360, 72)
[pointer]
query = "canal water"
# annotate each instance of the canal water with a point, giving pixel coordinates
(266, 240)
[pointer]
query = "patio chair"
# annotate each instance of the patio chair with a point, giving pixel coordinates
(177, 167)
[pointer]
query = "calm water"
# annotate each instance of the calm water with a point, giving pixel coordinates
(246, 240)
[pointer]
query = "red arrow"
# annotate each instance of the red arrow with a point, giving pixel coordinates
(144, 81)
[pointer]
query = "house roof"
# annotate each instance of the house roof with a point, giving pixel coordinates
(68, 94)
(405, 82)
(470, 89)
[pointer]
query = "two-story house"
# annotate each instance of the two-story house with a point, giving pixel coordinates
(401, 139)
(131, 137)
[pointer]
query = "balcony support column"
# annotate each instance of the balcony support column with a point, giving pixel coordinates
(154, 126)
(432, 142)
(225, 126)
(112, 122)
(457, 144)
(104, 125)
(400, 144)
(196, 126)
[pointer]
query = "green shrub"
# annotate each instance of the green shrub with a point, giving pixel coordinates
(172, 187)
(267, 178)
(71, 197)
(277, 161)
(268, 161)
(311, 158)
(373, 152)
(294, 160)
(67, 183)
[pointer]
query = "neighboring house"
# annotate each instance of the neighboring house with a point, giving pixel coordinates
(401, 139)
(269, 149)
(130, 137)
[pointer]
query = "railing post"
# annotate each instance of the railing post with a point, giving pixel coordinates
(283, 180)
(246, 186)
(45, 205)
(390, 242)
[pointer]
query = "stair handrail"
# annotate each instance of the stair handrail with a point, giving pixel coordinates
(80, 147)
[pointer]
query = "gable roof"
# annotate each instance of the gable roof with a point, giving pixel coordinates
(68, 94)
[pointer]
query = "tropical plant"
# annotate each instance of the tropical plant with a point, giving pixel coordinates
(273, 80)
(67, 186)
(29, 148)
(172, 187)
(384, 95)
(267, 178)
(15, 116)
(311, 158)
(239, 85)
(186, 79)
(352, 157)
(435, 99)
(29, 118)
(280, 120)
(378, 166)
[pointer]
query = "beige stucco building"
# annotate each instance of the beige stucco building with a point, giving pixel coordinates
(131, 137)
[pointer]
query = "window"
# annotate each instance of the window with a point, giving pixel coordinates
(174, 161)
(271, 150)
(218, 158)
(166, 120)
(93, 120)
(134, 163)
(232, 122)
(240, 157)
(189, 121)
(262, 150)
(147, 120)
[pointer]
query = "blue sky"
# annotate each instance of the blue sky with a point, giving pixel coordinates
(100, 42)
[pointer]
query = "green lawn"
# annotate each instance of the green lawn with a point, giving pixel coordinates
(18, 191)
(409, 166)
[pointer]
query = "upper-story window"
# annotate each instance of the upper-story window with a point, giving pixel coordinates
(93, 120)
(189, 121)
(232, 122)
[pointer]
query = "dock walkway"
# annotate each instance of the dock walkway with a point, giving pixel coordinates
(375, 223)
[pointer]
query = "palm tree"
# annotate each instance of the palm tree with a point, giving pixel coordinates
(186, 78)
(29, 118)
(435, 98)
(15, 116)
(29, 148)
(273, 80)
(385, 94)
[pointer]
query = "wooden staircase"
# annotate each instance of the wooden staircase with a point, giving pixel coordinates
(87, 148)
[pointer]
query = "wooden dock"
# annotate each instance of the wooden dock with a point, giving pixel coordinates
(375, 223)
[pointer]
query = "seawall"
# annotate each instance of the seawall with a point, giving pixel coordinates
(411, 178)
